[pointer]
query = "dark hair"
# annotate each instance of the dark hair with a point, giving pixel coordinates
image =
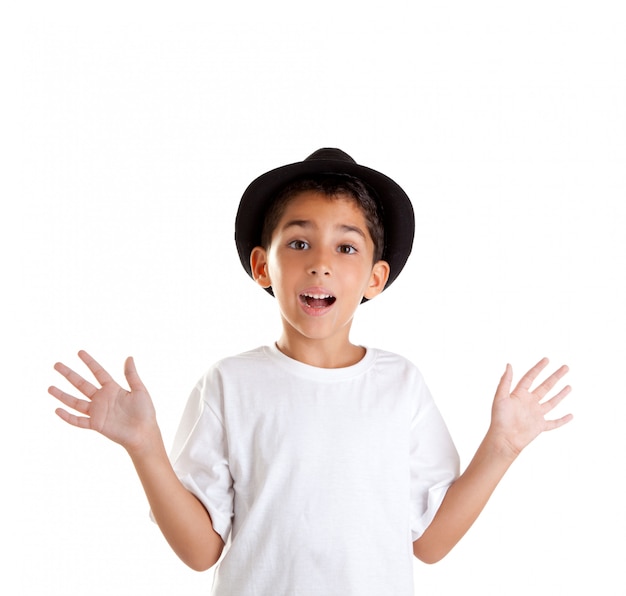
(331, 185)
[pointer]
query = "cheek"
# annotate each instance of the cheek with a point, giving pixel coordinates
(277, 273)
(360, 275)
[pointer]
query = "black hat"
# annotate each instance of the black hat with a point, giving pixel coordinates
(396, 208)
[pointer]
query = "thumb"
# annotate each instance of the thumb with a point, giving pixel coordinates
(130, 372)
(504, 386)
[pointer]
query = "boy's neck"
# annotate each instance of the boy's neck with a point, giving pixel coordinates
(322, 354)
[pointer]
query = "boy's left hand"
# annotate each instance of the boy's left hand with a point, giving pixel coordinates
(518, 416)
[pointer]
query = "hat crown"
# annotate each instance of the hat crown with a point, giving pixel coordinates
(329, 153)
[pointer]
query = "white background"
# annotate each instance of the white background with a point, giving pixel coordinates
(129, 132)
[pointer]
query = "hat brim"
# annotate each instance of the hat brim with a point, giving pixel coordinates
(396, 207)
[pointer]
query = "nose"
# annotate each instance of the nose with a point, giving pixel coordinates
(320, 263)
(319, 271)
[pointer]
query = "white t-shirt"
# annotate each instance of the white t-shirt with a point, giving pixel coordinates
(318, 480)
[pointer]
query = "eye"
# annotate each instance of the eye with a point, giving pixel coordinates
(298, 245)
(347, 249)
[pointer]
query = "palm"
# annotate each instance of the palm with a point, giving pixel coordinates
(120, 415)
(518, 416)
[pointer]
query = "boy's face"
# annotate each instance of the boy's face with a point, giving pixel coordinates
(320, 265)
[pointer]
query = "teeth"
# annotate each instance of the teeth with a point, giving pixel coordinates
(317, 296)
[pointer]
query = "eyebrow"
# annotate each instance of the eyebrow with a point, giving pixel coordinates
(305, 223)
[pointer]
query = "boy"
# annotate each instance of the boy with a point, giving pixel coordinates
(322, 465)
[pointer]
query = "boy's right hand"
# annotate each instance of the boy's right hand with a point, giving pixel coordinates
(126, 417)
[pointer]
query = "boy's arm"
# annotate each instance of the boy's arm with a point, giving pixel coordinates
(128, 418)
(517, 418)
(182, 518)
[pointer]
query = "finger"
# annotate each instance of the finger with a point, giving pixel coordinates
(78, 421)
(543, 389)
(80, 405)
(527, 380)
(85, 387)
(101, 375)
(553, 402)
(553, 424)
(130, 372)
(504, 386)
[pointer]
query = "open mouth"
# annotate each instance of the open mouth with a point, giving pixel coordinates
(317, 300)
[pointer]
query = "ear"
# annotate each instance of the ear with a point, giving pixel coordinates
(378, 279)
(258, 265)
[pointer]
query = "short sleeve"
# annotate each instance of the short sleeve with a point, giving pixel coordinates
(434, 462)
(200, 453)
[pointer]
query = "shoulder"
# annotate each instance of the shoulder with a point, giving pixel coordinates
(395, 363)
(240, 369)
(399, 376)
(239, 361)
(249, 364)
